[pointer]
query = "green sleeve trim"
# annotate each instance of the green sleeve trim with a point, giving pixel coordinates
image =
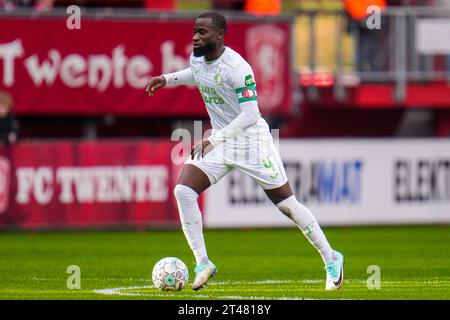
(239, 90)
(247, 93)
(255, 98)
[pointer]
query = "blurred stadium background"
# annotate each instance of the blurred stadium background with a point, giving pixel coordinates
(363, 114)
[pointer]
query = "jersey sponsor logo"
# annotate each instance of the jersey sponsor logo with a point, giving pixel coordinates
(249, 80)
(210, 95)
(206, 90)
(213, 99)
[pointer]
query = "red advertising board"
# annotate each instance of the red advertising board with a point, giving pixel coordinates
(102, 67)
(87, 184)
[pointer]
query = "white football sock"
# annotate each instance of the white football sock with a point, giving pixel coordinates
(306, 221)
(191, 220)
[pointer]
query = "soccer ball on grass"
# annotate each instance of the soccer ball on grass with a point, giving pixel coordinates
(170, 274)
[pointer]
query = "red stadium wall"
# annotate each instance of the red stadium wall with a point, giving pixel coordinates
(72, 184)
(52, 70)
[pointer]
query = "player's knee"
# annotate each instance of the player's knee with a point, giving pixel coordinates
(184, 193)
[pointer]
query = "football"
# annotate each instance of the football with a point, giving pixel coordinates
(170, 274)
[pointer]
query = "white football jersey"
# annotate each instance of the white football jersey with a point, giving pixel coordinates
(225, 84)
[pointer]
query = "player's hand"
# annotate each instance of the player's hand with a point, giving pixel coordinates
(201, 149)
(154, 84)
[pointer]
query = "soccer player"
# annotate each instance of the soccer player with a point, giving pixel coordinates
(240, 139)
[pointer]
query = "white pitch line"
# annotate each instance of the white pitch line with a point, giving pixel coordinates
(119, 291)
(238, 282)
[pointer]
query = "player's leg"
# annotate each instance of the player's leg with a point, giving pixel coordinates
(191, 183)
(197, 175)
(287, 203)
(268, 171)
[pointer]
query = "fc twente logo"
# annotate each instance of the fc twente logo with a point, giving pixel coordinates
(265, 46)
(4, 183)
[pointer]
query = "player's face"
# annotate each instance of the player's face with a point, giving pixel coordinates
(206, 37)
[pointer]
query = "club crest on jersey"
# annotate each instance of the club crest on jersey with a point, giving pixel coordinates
(249, 80)
(218, 78)
(248, 93)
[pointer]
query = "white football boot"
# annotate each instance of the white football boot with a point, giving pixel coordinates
(203, 272)
(335, 272)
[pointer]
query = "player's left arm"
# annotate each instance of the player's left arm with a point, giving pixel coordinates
(180, 77)
(243, 82)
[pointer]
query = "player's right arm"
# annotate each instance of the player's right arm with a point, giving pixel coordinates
(183, 77)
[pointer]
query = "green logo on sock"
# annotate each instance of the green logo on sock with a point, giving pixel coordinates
(309, 228)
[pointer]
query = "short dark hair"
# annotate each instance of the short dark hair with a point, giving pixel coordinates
(218, 20)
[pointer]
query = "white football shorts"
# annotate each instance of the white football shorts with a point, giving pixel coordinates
(262, 162)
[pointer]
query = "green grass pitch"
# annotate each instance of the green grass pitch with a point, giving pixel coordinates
(253, 264)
